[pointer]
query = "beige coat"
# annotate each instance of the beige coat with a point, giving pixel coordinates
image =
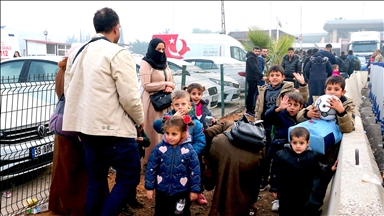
(287, 87)
(152, 81)
(102, 92)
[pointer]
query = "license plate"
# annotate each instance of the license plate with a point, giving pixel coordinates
(41, 150)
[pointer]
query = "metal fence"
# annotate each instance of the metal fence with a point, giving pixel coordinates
(26, 143)
(376, 93)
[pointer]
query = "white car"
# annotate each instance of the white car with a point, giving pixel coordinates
(211, 89)
(231, 86)
(232, 67)
(28, 99)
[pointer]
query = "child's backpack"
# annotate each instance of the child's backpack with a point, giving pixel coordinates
(323, 134)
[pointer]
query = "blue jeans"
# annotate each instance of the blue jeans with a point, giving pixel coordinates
(102, 152)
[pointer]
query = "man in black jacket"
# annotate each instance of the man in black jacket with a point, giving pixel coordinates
(328, 53)
(253, 75)
(291, 64)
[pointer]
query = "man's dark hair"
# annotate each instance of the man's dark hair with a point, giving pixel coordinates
(309, 52)
(276, 68)
(105, 20)
(335, 80)
(350, 52)
(299, 132)
(342, 53)
(256, 48)
(315, 50)
(291, 48)
(328, 46)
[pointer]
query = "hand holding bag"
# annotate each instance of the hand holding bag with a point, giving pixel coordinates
(161, 100)
(247, 135)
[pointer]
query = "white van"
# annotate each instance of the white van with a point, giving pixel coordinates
(9, 43)
(180, 46)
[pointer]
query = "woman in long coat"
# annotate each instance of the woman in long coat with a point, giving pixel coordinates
(234, 172)
(69, 177)
(152, 69)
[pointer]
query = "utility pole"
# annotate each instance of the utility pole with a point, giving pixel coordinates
(270, 19)
(301, 27)
(222, 19)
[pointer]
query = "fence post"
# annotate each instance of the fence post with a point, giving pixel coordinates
(183, 74)
(222, 88)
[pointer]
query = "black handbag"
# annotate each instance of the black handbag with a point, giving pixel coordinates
(248, 135)
(161, 100)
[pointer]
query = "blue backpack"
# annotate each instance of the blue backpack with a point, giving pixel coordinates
(323, 134)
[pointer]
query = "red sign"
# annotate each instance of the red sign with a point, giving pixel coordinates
(170, 45)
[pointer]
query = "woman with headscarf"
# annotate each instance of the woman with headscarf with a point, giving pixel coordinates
(69, 177)
(152, 69)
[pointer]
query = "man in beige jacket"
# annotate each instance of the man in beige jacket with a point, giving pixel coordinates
(378, 57)
(103, 105)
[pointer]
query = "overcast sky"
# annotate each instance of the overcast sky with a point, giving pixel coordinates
(141, 19)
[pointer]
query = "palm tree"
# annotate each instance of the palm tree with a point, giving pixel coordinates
(276, 48)
(139, 47)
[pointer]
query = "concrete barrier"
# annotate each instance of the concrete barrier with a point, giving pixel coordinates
(347, 193)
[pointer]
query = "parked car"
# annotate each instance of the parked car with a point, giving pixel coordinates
(231, 86)
(232, 68)
(211, 88)
(28, 99)
(363, 62)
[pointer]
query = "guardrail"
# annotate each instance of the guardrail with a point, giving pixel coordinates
(26, 143)
(355, 188)
(376, 94)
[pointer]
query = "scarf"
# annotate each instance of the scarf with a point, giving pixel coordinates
(158, 60)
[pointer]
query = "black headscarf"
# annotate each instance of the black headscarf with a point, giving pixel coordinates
(156, 59)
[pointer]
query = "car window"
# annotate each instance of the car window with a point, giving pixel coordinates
(173, 66)
(42, 71)
(238, 53)
(10, 71)
(205, 64)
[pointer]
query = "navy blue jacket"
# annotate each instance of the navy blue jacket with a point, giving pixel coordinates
(331, 57)
(173, 169)
(196, 132)
(281, 121)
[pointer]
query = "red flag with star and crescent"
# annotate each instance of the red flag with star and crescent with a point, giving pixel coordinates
(170, 45)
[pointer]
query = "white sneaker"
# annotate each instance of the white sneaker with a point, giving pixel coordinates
(275, 205)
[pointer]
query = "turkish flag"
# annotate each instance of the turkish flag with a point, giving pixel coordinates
(169, 40)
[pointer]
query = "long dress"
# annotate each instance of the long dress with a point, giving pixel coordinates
(69, 177)
(152, 81)
(235, 174)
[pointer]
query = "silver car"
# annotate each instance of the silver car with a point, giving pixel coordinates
(28, 99)
(232, 68)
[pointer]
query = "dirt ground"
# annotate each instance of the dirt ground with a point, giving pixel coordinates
(264, 203)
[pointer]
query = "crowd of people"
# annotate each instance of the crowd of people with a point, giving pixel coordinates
(182, 150)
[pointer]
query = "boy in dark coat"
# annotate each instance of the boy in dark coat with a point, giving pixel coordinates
(284, 117)
(294, 169)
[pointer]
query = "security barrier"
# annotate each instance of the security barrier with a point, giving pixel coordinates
(376, 94)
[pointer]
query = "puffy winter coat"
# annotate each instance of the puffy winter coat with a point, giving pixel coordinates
(196, 132)
(290, 66)
(173, 169)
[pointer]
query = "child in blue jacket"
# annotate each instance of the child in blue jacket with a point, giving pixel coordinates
(181, 106)
(173, 169)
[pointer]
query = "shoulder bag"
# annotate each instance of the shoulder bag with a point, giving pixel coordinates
(161, 100)
(56, 120)
(248, 135)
